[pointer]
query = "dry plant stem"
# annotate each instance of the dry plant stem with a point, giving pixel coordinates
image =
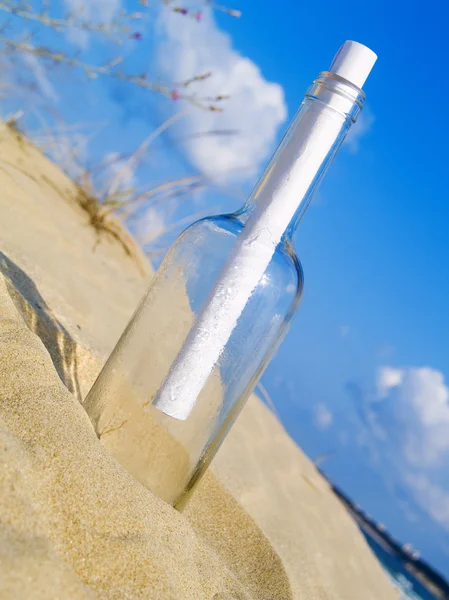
(68, 22)
(103, 224)
(69, 161)
(131, 205)
(90, 70)
(93, 71)
(267, 398)
(186, 221)
(137, 156)
(232, 12)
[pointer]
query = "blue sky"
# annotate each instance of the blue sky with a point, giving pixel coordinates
(364, 373)
(376, 257)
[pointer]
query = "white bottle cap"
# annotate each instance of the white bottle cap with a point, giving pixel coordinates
(353, 62)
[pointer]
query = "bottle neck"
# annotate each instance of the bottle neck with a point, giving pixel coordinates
(284, 191)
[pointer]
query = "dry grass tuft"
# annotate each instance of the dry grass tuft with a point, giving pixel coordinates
(12, 122)
(105, 223)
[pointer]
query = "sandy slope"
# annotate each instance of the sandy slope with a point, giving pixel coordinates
(73, 523)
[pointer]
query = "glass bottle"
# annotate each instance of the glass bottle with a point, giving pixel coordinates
(192, 335)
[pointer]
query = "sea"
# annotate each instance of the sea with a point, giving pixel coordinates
(409, 587)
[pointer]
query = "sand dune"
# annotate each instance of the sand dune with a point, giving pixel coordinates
(74, 524)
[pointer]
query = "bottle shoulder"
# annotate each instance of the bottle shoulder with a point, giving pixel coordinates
(220, 231)
(223, 223)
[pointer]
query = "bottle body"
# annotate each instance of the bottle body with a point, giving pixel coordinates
(166, 454)
(218, 307)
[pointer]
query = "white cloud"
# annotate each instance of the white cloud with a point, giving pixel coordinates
(149, 226)
(253, 113)
(322, 417)
(407, 426)
(93, 11)
(432, 498)
(359, 129)
(388, 378)
(118, 174)
(416, 400)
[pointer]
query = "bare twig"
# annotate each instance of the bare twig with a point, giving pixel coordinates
(164, 187)
(93, 71)
(185, 221)
(71, 21)
(232, 12)
(267, 398)
(136, 157)
(197, 14)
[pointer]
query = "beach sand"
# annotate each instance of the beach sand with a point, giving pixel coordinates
(262, 525)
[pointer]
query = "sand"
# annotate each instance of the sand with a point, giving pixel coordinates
(161, 452)
(262, 525)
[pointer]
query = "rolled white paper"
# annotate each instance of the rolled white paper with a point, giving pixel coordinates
(289, 181)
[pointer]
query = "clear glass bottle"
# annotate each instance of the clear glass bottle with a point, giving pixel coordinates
(168, 454)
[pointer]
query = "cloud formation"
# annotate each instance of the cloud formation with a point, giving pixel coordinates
(322, 417)
(253, 113)
(431, 497)
(417, 401)
(150, 226)
(360, 128)
(405, 427)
